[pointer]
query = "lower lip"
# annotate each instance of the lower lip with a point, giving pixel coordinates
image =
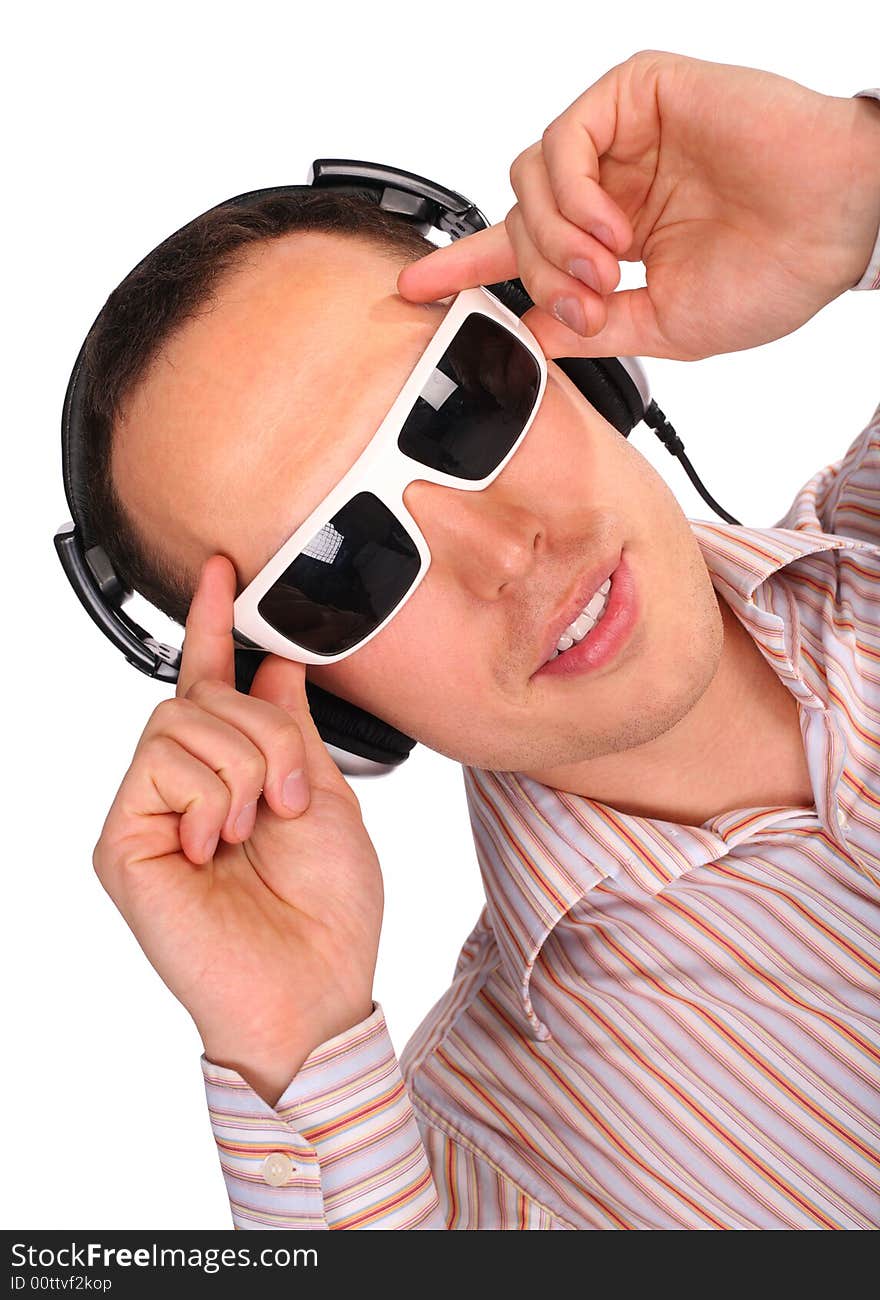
(602, 645)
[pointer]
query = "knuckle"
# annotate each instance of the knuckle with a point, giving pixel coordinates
(520, 164)
(157, 748)
(249, 767)
(513, 224)
(166, 711)
(110, 859)
(99, 864)
(207, 688)
(648, 60)
(545, 236)
(287, 735)
(551, 131)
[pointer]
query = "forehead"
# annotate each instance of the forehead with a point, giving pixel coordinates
(258, 405)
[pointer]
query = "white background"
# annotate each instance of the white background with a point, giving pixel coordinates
(123, 122)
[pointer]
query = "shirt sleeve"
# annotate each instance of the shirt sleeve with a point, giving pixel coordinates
(871, 277)
(343, 1148)
(340, 1149)
(844, 497)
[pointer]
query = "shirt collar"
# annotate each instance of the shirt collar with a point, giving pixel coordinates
(541, 849)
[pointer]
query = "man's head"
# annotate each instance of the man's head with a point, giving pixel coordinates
(263, 391)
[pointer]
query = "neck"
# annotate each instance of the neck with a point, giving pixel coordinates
(739, 747)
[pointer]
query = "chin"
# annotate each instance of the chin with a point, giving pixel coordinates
(638, 712)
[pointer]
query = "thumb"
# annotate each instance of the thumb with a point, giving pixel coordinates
(282, 682)
(630, 329)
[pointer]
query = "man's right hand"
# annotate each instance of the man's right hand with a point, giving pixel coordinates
(256, 895)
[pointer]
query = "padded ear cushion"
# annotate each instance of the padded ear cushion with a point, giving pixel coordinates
(603, 381)
(339, 722)
(344, 725)
(606, 385)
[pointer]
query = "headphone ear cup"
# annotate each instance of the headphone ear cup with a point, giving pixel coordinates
(353, 730)
(246, 664)
(339, 722)
(606, 385)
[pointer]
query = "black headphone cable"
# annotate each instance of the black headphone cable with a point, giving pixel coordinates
(656, 420)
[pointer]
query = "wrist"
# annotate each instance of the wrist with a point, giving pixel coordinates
(861, 185)
(269, 1066)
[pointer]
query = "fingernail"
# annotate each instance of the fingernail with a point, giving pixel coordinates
(295, 791)
(571, 313)
(244, 822)
(604, 234)
(583, 270)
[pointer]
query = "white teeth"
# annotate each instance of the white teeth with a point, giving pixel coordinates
(597, 603)
(585, 621)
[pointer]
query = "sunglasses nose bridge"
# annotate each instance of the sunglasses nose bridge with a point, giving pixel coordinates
(412, 475)
(401, 472)
(444, 516)
(398, 473)
(483, 547)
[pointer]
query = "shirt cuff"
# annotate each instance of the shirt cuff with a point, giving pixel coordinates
(341, 1148)
(871, 278)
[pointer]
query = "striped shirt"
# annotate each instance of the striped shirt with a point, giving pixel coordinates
(652, 1025)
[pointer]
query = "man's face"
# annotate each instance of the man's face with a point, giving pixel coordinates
(258, 406)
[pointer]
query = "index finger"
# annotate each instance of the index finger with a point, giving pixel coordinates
(485, 257)
(208, 648)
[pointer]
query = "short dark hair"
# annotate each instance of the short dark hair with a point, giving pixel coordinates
(170, 285)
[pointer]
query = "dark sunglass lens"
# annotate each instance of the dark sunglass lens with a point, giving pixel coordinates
(351, 576)
(475, 403)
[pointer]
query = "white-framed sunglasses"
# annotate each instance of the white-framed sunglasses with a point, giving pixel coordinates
(360, 555)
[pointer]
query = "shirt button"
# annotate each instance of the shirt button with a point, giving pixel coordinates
(277, 1168)
(842, 819)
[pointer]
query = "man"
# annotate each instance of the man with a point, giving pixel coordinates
(668, 1014)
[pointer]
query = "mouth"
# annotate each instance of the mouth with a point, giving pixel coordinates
(594, 624)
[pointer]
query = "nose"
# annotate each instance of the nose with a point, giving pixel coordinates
(487, 539)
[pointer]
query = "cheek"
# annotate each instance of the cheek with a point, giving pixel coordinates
(574, 466)
(425, 654)
(685, 617)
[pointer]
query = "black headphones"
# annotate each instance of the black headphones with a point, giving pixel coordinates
(360, 743)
